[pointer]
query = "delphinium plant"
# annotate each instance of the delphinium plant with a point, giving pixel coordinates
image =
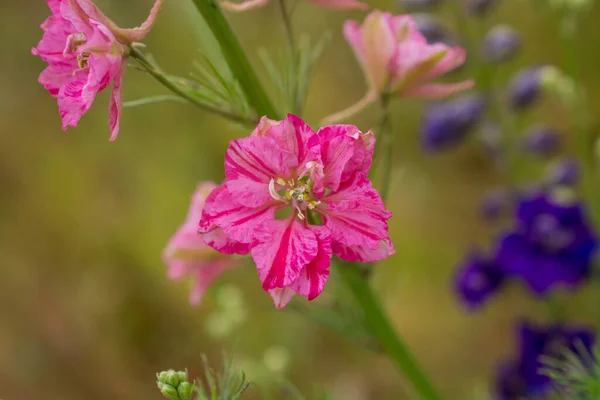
(299, 199)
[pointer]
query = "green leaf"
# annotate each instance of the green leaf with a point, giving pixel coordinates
(154, 100)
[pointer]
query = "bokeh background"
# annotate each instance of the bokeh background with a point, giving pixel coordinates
(86, 309)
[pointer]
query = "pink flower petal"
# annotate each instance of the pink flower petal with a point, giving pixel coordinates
(379, 47)
(243, 6)
(264, 125)
(281, 296)
(341, 4)
(356, 215)
(250, 164)
(312, 279)
(284, 249)
(205, 275)
(345, 150)
(55, 76)
(115, 105)
(439, 90)
(297, 137)
(237, 222)
(364, 253)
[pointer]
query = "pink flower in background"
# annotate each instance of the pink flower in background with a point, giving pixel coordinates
(397, 60)
(292, 198)
(86, 52)
(186, 254)
(332, 4)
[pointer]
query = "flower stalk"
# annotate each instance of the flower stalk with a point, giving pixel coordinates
(168, 83)
(236, 58)
(385, 334)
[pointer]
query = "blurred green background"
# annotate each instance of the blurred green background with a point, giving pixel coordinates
(86, 308)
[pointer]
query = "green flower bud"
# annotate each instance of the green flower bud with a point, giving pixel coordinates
(172, 378)
(183, 376)
(168, 391)
(185, 391)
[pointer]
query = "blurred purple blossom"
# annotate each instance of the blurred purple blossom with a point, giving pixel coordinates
(448, 123)
(501, 43)
(524, 88)
(520, 378)
(542, 141)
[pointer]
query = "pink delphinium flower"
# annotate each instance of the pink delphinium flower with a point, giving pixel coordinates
(331, 4)
(186, 254)
(397, 60)
(292, 198)
(86, 52)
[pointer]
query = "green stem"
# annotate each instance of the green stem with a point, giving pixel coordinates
(385, 334)
(236, 58)
(388, 140)
(289, 33)
(167, 82)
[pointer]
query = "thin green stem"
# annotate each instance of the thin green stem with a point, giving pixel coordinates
(167, 82)
(384, 332)
(388, 140)
(236, 58)
(289, 33)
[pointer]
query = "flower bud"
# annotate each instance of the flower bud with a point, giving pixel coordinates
(563, 172)
(414, 5)
(447, 124)
(168, 391)
(172, 378)
(185, 391)
(495, 203)
(501, 43)
(479, 7)
(524, 88)
(433, 31)
(541, 141)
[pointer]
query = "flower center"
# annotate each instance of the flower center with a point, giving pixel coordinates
(297, 192)
(548, 231)
(74, 41)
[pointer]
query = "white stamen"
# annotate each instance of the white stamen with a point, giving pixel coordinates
(273, 192)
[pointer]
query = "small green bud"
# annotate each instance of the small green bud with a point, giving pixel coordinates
(556, 82)
(185, 391)
(172, 378)
(182, 375)
(168, 391)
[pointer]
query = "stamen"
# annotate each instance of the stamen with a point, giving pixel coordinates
(273, 192)
(280, 181)
(82, 60)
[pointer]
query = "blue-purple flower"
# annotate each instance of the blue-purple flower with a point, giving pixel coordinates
(433, 30)
(501, 43)
(447, 124)
(520, 378)
(563, 172)
(542, 140)
(479, 7)
(478, 278)
(524, 88)
(551, 245)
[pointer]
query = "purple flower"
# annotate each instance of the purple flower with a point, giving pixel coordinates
(524, 88)
(433, 31)
(477, 279)
(479, 7)
(494, 203)
(413, 5)
(520, 378)
(541, 141)
(501, 43)
(552, 244)
(447, 124)
(563, 172)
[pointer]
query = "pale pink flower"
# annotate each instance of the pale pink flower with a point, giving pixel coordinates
(331, 4)
(397, 60)
(292, 198)
(186, 254)
(86, 52)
